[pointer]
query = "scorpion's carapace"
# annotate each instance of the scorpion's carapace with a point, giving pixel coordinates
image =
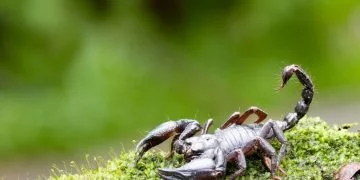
(208, 154)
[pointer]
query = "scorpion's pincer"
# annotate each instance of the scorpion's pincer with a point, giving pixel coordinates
(196, 169)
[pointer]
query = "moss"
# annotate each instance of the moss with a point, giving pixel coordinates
(316, 151)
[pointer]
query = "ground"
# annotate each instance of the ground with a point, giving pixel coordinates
(316, 151)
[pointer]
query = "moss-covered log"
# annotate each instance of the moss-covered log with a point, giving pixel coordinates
(316, 152)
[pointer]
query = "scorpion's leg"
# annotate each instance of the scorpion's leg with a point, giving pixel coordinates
(185, 127)
(267, 162)
(172, 146)
(272, 129)
(252, 110)
(239, 157)
(232, 119)
(237, 118)
(207, 126)
(259, 143)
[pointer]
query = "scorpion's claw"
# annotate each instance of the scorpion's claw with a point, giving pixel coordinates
(184, 128)
(155, 137)
(172, 174)
(195, 169)
(188, 174)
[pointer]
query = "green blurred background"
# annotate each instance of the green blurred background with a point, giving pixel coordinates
(86, 75)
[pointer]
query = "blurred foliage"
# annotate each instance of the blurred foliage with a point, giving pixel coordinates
(75, 74)
(317, 151)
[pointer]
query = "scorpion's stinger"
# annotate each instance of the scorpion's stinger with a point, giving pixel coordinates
(307, 94)
(300, 73)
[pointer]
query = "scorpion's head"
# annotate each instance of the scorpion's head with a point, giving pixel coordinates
(199, 144)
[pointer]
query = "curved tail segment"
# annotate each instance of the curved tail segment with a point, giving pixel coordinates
(302, 106)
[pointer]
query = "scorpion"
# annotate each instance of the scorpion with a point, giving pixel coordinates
(207, 155)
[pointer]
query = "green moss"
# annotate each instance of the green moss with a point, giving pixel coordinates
(316, 152)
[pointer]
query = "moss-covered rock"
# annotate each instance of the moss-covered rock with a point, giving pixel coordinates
(316, 152)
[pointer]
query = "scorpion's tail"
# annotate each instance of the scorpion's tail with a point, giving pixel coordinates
(302, 106)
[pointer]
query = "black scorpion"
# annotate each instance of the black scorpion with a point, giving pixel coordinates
(208, 154)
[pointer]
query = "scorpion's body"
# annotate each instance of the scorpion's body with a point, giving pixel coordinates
(237, 136)
(208, 154)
